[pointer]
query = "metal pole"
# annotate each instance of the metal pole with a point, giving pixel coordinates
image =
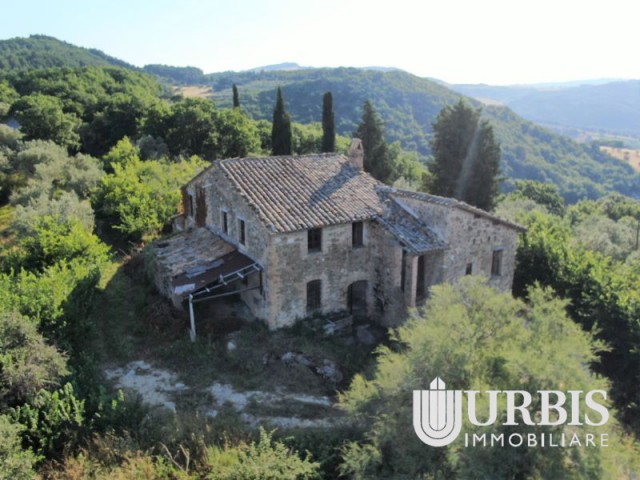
(192, 332)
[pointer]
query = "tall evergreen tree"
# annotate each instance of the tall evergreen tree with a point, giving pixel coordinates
(281, 129)
(328, 124)
(236, 97)
(466, 162)
(377, 160)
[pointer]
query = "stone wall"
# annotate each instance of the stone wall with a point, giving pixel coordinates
(472, 238)
(338, 265)
(220, 197)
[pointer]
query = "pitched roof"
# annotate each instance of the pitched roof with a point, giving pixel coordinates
(409, 230)
(453, 203)
(299, 192)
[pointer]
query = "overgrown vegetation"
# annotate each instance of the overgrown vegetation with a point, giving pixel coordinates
(589, 255)
(478, 339)
(96, 168)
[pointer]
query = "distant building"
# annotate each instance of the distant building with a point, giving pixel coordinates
(299, 235)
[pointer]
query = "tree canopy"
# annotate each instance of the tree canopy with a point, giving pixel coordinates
(377, 160)
(466, 161)
(328, 124)
(477, 339)
(281, 129)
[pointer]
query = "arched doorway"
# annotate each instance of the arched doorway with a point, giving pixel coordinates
(357, 298)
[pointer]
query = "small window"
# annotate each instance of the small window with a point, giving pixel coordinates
(469, 269)
(496, 263)
(357, 239)
(190, 206)
(314, 240)
(242, 234)
(225, 222)
(314, 295)
(403, 274)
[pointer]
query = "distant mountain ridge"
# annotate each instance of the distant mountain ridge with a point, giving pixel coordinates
(609, 107)
(285, 66)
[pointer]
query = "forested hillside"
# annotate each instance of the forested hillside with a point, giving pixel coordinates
(41, 51)
(409, 104)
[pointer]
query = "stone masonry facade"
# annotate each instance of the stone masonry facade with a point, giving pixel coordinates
(327, 237)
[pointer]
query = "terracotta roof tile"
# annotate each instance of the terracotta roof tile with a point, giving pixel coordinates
(301, 192)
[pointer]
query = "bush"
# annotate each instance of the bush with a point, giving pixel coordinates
(27, 363)
(140, 197)
(45, 169)
(65, 209)
(53, 241)
(16, 463)
(53, 421)
(261, 460)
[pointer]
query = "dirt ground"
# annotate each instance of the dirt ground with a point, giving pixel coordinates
(286, 379)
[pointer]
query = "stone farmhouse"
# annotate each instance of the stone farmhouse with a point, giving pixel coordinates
(302, 235)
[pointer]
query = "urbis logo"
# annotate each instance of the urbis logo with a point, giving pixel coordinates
(437, 416)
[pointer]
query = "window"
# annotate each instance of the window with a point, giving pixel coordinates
(241, 233)
(496, 263)
(314, 240)
(190, 205)
(469, 269)
(314, 295)
(225, 222)
(403, 267)
(357, 298)
(420, 283)
(357, 239)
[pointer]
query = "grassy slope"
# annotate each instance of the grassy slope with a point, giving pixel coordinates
(629, 155)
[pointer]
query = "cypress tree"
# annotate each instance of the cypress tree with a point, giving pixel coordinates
(236, 97)
(281, 129)
(377, 160)
(466, 162)
(328, 124)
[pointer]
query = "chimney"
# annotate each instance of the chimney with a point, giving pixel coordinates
(356, 153)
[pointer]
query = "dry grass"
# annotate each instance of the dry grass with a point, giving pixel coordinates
(193, 91)
(632, 157)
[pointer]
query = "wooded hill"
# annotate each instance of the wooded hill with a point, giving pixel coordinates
(408, 104)
(41, 51)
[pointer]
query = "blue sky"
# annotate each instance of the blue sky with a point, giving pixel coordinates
(459, 41)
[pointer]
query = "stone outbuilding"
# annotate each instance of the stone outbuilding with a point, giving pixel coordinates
(302, 235)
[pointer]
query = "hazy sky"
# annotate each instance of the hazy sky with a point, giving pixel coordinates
(470, 41)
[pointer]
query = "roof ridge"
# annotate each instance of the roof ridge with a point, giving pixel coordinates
(340, 156)
(453, 202)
